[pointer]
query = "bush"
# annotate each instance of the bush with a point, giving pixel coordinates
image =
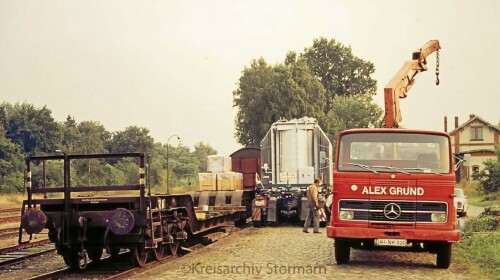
(489, 177)
(486, 221)
(492, 210)
(12, 183)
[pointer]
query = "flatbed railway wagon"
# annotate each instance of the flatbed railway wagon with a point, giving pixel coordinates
(83, 221)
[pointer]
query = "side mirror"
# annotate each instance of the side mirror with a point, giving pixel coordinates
(467, 158)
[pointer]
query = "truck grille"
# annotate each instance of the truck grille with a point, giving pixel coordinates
(393, 211)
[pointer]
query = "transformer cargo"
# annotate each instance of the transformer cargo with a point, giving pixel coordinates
(293, 154)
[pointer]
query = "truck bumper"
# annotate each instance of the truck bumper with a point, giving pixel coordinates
(409, 234)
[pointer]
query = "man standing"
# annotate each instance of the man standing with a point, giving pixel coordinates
(313, 203)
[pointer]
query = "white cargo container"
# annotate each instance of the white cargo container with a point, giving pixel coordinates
(217, 164)
(296, 152)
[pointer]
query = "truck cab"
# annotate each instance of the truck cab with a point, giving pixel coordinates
(393, 190)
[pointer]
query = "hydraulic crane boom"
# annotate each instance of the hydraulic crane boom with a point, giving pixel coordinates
(404, 79)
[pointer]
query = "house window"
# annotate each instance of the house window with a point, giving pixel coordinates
(476, 133)
(475, 170)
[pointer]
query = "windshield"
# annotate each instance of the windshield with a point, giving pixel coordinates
(394, 152)
(459, 193)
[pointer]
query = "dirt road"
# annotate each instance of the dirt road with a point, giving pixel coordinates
(287, 253)
(474, 211)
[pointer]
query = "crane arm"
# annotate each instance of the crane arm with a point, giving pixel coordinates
(404, 79)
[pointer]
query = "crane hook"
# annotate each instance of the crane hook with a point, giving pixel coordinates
(437, 67)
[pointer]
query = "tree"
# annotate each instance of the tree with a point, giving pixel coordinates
(132, 139)
(11, 165)
(11, 158)
(71, 135)
(489, 177)
(326, 82)
(182, 164)
(201, 152)
(267, 93)
(33, 129)
(350, 112)
(93, 137)
(3, 117)
(340, 72)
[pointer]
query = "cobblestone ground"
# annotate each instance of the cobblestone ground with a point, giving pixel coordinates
(287, 253)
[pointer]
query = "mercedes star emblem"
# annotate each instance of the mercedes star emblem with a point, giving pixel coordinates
(392, 211)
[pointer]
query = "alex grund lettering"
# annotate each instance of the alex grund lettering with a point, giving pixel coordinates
(253, 269)
(392, 190)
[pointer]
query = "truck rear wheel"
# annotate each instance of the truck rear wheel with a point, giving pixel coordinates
(342, 251)
(443, 259)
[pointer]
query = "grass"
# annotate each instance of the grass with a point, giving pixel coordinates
(12, 200)
(479, 247)
(475, 197)
(480, 253)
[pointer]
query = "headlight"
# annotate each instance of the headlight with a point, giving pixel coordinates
(459, 204)
(438, 217)
(346, 215)
(260, 203)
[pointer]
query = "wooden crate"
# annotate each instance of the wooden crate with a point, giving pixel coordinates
(229, 181)
(207, 181)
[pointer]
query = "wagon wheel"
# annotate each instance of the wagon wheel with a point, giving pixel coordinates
(159, 252)
(173, 247)
(139, 255)
(69, 258)
(114, 252)
(95, 254)
(75, 259)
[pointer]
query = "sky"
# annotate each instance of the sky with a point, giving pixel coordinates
(172, 66)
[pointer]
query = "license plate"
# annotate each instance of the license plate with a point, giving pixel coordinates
(390, 242)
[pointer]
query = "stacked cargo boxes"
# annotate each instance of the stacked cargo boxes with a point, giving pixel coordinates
(219, 176)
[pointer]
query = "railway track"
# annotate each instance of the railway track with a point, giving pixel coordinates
(9, 232)
(117, 267)
(22, 252)
(10, 215)
(9, 210)
(10, 218)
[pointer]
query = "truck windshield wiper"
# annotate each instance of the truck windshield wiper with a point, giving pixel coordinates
(363, 166)
(424, 170)
(392, 168)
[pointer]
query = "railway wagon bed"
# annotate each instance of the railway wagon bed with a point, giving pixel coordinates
(90, 219)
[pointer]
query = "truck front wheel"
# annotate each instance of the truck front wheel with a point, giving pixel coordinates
(443, 259)
(342, 251)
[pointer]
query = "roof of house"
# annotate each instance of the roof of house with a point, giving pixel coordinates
(472, 119)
